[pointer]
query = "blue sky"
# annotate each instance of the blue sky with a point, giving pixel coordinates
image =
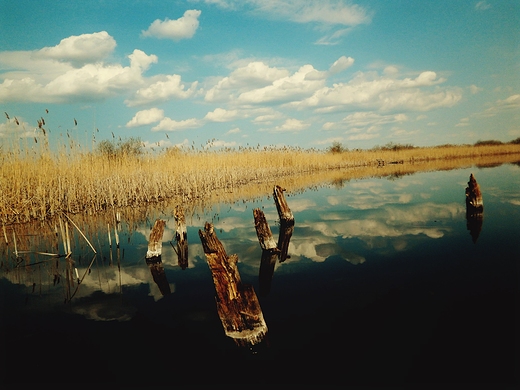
(261, 72)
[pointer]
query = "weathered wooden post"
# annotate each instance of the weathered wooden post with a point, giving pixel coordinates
(181, 238)
(284, 211)
(286, 222)
(237, 303)
(153, 257)
(265, 237)
(474, 208)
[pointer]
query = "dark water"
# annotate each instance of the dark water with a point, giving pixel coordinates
(387, 283)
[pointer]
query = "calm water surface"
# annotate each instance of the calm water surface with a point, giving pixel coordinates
(387, 283)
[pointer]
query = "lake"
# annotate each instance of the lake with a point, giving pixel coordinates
(387, 281)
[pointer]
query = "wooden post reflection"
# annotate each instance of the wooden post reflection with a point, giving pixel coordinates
(474, 208)
(153, 257)
(270, 251)
(286, 222)
(181, 238)
(237, 303)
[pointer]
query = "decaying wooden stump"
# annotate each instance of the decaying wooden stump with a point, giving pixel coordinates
(153, 257)
(474, 208)
(284, 211)
(237, 303)
(155, 240)
(473, 195)
(286, 222)
(181, 238)
(265, 237)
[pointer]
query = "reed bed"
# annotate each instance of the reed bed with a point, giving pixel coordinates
(39, 185)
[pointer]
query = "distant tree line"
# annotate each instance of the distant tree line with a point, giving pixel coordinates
(338, 147)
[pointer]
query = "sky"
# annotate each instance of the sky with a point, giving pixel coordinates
(250, 73)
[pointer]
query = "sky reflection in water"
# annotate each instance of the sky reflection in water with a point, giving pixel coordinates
(388, 261)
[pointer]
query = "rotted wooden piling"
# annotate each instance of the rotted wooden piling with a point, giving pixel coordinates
(155, 240)
(237, 304)
(284, 211)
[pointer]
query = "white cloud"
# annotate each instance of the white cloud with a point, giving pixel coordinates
(59, 82)
(182, 28)
(221, 144)
(328, 12)
(221, 115)
(302, 83)
(291, 125)
(510, 103)
(85, 48)
(334, 38)
(340, 65)
(369, 90)
(168, 124)
(372, 118)
(235, 130)
(268, 118)
(255, 74)
(145, 117)
(162, 88)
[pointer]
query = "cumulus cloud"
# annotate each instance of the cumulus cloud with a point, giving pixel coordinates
(369, 90)
(182, 28)
(71, 71)
(291, 125)
(253, 75)
(168, 124)
(160, 89)
(340, 65)
(221, 115)
(145, 117)
(302, 83)
(80, 49)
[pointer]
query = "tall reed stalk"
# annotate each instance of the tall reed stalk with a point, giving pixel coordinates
(37, 184)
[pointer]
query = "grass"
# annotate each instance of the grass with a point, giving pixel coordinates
(38, 184)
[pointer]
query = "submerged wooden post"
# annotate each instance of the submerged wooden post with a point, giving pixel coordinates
(474, 208)
(153, 257)
(181, 237)
(237, 303)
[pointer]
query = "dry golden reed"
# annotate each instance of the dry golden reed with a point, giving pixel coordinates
(39, 185)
